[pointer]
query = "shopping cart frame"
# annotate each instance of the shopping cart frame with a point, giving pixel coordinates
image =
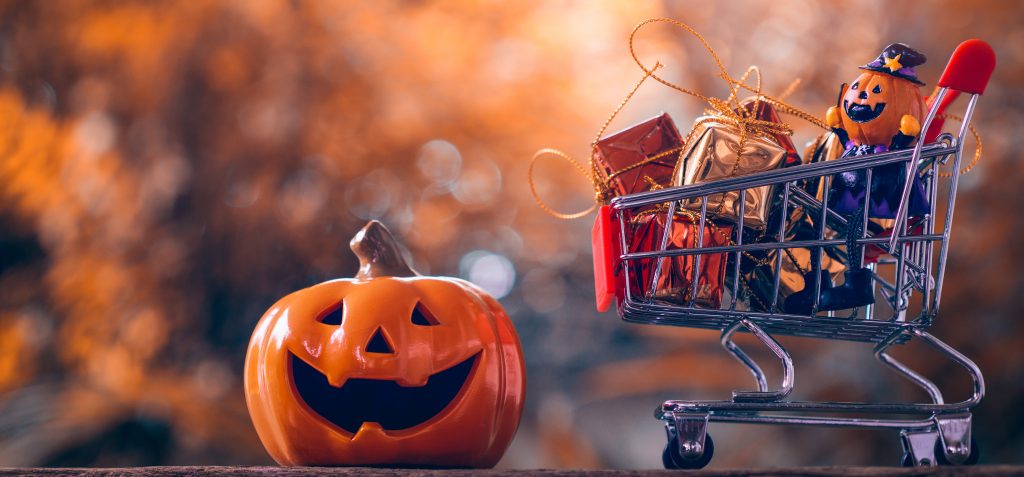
(931, 433)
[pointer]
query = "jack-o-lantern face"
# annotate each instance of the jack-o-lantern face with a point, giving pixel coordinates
(873, 105)
(385, 369)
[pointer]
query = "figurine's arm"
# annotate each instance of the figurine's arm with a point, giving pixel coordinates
(836, 124)
(909, 129)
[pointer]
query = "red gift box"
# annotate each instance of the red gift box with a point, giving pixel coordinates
(674, 283)
(636, 158)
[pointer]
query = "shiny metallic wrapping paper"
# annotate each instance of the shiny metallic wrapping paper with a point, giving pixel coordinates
(715, 153)
(639, 157)
(675, 281)
(759, 273)
(759, 277)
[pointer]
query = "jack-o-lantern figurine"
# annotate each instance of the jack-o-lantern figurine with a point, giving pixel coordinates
(389, 368)
(878, 112)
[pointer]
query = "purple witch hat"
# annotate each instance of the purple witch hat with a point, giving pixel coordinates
(898, 60)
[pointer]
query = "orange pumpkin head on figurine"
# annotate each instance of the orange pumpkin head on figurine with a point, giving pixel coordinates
(387, 368)
(873, 107)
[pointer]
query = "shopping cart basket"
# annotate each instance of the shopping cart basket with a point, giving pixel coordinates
(908, 286)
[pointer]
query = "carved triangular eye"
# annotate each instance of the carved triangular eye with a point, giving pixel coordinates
(379, 344)
(334, 316)
(423, 317)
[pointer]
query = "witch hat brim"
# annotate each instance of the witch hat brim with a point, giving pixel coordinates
(898, 60)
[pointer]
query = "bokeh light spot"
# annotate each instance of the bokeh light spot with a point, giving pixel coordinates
(96, 132)
(490, 271)
(439, 161)
(371, 196)
(479, 184)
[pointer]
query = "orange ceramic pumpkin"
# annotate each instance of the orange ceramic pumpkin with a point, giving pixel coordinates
(388, 368)
(874, 105)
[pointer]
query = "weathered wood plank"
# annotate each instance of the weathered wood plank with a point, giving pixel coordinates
(985, 471)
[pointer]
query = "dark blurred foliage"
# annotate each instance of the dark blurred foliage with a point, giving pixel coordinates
(170, 169)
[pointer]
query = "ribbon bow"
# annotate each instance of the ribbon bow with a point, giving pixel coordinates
(727, 111)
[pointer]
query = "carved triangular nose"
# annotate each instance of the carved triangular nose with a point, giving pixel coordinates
(378, 343)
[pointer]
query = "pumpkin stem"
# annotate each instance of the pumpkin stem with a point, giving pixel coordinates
(379, 253)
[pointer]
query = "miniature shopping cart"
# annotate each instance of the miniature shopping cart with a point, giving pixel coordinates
(908, 285)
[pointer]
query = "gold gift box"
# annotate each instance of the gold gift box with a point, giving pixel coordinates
(715, 152)
(795, 263)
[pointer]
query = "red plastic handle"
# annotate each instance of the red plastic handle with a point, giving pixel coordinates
(604, 239)
(970, 67)
(968, 70)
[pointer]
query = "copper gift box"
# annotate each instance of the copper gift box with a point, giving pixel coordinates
(639, 157)
(674, 283)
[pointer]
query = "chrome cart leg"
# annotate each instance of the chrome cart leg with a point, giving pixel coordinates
(689, 444)
(919, 448)
(955, 445)
(924, 383)
(933, 391)
(949, 442)
(762, 394)
(976, 377)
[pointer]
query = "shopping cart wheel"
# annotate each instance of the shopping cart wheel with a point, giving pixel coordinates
(940, 455)
(672, 459)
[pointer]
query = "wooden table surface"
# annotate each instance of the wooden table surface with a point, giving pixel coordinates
(985, 470)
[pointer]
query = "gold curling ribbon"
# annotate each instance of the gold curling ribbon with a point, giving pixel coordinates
(790, 89)
(726, 111)
(533, 186)
(723, 108)
(977, 148)
(601, 189)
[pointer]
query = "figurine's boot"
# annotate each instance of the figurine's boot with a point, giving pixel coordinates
(801, 302)
(856, 291)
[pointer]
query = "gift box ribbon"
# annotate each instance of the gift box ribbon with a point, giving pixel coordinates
(726, 111)
(723, 111)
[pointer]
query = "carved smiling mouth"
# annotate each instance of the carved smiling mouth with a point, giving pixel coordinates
(862, 113)
(391, 406)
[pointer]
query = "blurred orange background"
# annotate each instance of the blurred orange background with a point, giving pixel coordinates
(171, 169)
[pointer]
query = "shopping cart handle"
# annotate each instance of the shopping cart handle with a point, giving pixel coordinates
(970, 67)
